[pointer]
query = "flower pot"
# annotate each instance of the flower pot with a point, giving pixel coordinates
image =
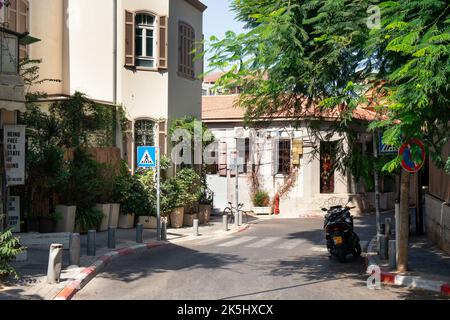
(189, 218)
(177, 218)
(32, 225)
(46, 225)
(262, 210)
(204, 213)
(148, 222)
(66, 222)
(106, 210)
(126, 221)
(114, 215)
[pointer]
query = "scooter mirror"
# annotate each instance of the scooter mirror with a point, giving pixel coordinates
(323, 209)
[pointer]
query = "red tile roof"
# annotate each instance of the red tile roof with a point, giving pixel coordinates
(225, 108)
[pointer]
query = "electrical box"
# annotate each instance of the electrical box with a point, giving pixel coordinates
(297, 151)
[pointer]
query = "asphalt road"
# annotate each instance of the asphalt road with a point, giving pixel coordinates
(274, 259)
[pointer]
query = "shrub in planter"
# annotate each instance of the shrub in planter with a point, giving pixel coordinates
(81, 188)
(205, 205)
(261, 202)
(9, 249)
(131, 194)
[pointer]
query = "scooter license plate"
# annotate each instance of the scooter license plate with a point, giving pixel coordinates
(337, 240)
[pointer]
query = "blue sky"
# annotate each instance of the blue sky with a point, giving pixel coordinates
(218, 19)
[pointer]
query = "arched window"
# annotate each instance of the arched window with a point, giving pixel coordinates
(144, 133)
(145, 47)
(186, 44)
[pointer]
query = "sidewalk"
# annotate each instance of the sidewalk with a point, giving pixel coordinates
(429, 267)
(33, 282)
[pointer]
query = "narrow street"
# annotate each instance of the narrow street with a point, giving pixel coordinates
(274, 259)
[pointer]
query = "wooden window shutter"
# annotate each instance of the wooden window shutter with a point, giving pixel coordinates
(12, 15)
(162, 137)
(22, 16)
(163, 42)
(223, 159)
(129, 38)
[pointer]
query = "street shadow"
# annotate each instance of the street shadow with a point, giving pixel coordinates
(14, 293)
(166, 259)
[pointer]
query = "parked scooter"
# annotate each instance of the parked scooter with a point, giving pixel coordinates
(341, 239)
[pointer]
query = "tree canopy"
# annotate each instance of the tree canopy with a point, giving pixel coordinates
(330, 54)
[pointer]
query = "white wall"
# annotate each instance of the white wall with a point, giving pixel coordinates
(304, 197)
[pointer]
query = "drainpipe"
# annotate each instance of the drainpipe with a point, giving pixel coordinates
(118, 138)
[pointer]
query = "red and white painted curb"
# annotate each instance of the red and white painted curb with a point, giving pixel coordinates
(413, 282)
(83, 278)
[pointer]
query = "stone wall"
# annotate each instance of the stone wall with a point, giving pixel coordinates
(437, 222)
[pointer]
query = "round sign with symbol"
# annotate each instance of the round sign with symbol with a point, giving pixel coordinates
(413, 155)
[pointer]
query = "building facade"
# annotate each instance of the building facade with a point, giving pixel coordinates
(134, 53)
(283, 159)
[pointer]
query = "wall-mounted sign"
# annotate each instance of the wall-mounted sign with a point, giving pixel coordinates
(14, 214)
(384, 148)
(14, 152)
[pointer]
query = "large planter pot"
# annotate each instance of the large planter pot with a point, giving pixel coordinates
(106, 210)
(126, 221)
(177, 218)
(204, 213)
(46, 225)
(262, 210)
(66, 222)
(148, 222)
(189, 218)
(114, 215)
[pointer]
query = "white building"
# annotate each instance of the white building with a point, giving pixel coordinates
(134, 53)
(281, 157)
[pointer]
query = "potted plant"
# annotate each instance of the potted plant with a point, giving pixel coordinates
(131, 194)
(189, 184)
(261, 202)
(171, 205)
(88, 219)
(205, 205)
(66, 221)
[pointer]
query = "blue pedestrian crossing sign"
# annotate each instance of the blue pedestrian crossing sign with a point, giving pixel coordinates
(146, 157)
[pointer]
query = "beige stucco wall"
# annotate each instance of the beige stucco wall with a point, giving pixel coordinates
(184, 94)
(46, 23)
(143, 93)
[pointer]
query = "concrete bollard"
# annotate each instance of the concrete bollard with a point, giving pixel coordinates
(196, 232)
(236, 219)
(240, 218)
(163, 231)
(111, 237)
(139, 233)
(392, 255)
(384, 244)
(91, 243)
(388, 230)
(225, 222)
(74, 249)
(54, 263)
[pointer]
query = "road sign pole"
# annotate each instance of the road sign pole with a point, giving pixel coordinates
(158, 194)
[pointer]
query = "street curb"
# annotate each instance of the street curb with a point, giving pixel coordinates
(83, 278)
(88, 273)
(413, 282)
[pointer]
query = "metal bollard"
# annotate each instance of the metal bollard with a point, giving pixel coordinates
(54, 263)
(225, 222)
(139, 231)
(163, 231)
(111, 237)
(196, 232)
(74, 249)
(392, 254)
(91, 243)
(384, 243)
(388, 223)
